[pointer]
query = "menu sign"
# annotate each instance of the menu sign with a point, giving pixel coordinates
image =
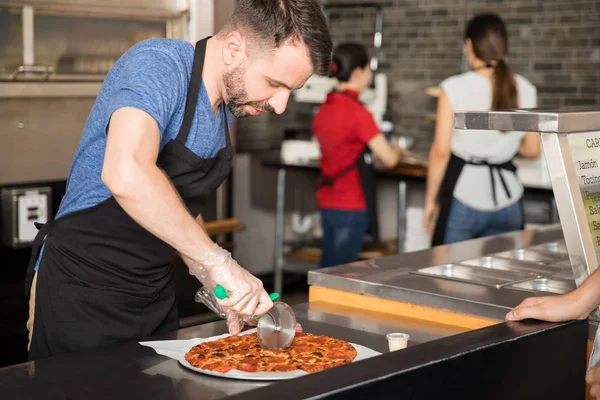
(585, 148)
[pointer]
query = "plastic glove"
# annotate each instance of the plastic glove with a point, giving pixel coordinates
(235, 323)
(246, 294)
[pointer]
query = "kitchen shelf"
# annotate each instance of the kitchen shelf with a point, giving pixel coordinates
(223, 226)
(48, 89)
(130, 13)
(433, 91)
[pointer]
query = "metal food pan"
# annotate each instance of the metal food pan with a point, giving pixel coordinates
(556, 247)
(545, 285)
(565, 274)
(483, 276)
(538, 257)
(489, 262)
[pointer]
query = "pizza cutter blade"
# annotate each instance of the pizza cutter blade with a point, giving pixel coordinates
(277, 328)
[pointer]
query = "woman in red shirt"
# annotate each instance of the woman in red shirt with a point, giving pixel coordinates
(347, 134)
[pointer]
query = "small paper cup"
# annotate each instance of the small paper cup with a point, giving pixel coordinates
(397, 341)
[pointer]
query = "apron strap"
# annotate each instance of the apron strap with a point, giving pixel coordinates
(446, 193)
(509, 166)
(368, 182)
(445, 196)
(43, 230)
(325, 181)
(193, 93)
(226, 125)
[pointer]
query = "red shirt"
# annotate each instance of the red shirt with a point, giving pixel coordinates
(343, 128)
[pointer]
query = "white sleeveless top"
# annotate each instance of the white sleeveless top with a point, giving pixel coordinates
(472, 92)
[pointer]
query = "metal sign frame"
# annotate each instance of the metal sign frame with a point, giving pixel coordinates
(555, 126)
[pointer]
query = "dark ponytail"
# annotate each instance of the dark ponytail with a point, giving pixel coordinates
(504, 94)
(490, 44)
(346, 58)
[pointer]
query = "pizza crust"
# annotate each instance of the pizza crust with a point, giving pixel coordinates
(310, 353)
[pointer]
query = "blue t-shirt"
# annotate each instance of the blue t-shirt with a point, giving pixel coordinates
(152, 76)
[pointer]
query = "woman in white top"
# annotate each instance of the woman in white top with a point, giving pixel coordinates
(472, 186)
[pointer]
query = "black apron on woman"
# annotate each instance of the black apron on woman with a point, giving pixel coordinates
(102, 277)
(446, 192)
(366, 170)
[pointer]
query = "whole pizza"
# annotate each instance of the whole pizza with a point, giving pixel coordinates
(310, 353)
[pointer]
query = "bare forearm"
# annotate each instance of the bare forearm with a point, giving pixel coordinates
(588, 293)
(188, 261)
(435, 174)
(152, 201)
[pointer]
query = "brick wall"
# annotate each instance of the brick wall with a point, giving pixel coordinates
(553, 43)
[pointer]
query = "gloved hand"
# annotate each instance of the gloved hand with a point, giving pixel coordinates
(235, 323)
(247, 298)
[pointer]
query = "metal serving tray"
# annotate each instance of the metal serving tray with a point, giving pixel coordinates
(504, 264)
(545, 285)
(557, 247)
(472, 274)
(565, 274)
(538, 257)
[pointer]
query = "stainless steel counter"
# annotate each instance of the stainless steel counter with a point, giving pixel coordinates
(129, 370)
(438, 362)
(410, 278)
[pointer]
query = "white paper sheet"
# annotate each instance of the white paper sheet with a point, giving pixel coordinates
(176, 349)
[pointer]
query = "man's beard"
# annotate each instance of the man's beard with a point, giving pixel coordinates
(237, 97)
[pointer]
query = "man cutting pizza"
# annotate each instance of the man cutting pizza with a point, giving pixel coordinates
(155, 145)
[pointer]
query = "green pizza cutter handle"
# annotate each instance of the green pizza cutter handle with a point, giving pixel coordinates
(221, 293)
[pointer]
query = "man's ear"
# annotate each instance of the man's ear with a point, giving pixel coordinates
(234, 49)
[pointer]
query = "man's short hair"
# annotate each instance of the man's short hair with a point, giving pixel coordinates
(274, 22)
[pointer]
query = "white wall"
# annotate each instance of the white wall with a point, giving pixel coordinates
(207, 17)
(254, 247)
(202, 19)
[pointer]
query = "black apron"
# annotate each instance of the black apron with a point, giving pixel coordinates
(446, 192)
(366, 170)
(103, 278)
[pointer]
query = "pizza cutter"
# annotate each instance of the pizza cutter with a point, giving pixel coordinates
(277, 328)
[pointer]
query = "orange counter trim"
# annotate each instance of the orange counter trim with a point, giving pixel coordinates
(393, 307)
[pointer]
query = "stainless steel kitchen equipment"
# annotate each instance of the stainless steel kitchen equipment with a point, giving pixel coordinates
(571, 144)
(508, 263)
(53, 59)
(476, 274)
(536, 257)
(557, 247)
(545, 285)
(421, 278)
(21, 208)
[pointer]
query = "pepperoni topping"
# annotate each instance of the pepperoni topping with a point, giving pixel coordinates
(308, 352)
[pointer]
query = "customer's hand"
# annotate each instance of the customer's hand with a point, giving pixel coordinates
(430, 215)
(566, 307)
(593, 379)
